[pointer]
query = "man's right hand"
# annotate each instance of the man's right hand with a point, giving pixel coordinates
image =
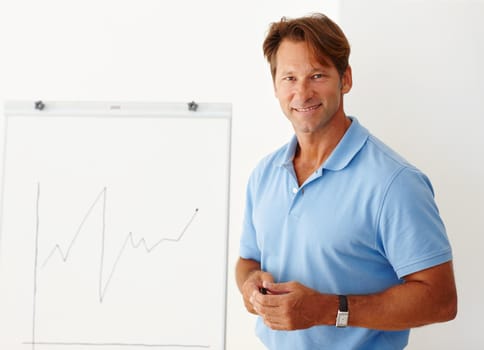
(250, 278)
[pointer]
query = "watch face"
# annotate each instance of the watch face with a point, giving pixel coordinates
(342, 319)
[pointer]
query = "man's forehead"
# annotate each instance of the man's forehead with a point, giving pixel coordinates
(288, 53)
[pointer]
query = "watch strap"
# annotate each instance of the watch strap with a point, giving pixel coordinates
(343, 312)
(343, 303)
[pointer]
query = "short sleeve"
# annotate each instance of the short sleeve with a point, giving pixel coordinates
(248, 241)
(411, 232)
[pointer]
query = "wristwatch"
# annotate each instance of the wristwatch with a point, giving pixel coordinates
(343, 312)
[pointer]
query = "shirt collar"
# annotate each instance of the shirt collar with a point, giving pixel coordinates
(349, 145)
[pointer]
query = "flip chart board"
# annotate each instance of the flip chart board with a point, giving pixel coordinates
(114, 225)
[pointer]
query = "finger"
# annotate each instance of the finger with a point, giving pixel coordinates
(264, 302)
(273, 307)
(266, 278)
(277, 288)
(257, 303)
(272, 301)
(252, 298)
(248, 305)
(275, 322)
(248, 291)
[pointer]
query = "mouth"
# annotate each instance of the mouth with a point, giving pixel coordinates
(307, 109)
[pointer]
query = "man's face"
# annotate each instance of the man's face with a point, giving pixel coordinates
(310, 94)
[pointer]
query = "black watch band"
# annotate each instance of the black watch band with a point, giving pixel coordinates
(343, 303)
(343, 312)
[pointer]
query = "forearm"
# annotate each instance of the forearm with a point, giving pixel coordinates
(412, 304)
(243, 269)
(425, 297)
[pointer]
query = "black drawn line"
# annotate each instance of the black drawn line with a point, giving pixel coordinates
(191, 346)
(57, 248)
(129, 240)
(101, 289)
(36, 256)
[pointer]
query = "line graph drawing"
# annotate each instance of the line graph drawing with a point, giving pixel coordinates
(129, 241)
(114, 226)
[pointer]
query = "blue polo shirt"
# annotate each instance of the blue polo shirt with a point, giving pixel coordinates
(362, 221)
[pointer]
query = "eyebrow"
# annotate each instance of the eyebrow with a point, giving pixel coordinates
(312, 71)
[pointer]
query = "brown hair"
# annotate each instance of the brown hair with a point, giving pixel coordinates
(324, 37)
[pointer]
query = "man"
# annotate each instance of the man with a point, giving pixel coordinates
(342, 244)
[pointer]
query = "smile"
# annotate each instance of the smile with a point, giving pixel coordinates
(307, 109)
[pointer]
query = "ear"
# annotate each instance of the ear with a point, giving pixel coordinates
(346, 81)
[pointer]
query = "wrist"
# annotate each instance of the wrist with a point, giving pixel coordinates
(327, 305)
(342, 315)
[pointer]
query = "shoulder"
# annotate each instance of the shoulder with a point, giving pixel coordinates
(270, 164)
(383, 154)
(363, 152)
(399, 171)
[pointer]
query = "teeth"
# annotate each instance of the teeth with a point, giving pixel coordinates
(306, 109)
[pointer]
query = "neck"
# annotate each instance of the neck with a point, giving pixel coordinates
(314, 148)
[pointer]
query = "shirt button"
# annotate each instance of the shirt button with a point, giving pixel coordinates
(294, 190)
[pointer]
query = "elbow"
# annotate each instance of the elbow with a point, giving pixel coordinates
(440, 312)
(448, 310)
(452, 310)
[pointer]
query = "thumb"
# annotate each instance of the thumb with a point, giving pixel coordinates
(276, 288)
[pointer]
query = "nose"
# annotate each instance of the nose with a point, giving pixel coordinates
(303, 91)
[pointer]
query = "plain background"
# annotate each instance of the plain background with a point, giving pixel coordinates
(418, 85)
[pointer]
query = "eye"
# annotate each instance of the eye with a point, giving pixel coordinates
(317, 76)
(289, 78)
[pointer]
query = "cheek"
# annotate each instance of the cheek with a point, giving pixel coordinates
(334, 103)
(283, 96)
(332, 96)
(283, 90)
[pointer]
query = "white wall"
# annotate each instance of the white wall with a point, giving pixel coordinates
(419, 85)
(153, 50)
